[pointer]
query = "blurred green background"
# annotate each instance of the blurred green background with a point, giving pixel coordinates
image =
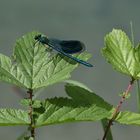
(85, 20)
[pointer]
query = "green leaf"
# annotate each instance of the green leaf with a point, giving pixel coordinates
(124, 94)
(9, 71)
(28, 138)
(10, 117)
(129, 118)
(33, 67)
(83, 105)
(119, 52)
(27, 102)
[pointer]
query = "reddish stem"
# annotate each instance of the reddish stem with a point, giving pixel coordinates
(32, 128)
(117, 109)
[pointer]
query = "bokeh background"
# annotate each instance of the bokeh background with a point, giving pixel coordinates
(85, 20)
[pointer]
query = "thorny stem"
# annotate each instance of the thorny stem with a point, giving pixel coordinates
(32, 128)
(117, 109)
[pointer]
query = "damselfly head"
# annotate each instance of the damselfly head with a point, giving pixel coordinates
(37, 37)
(42, 39)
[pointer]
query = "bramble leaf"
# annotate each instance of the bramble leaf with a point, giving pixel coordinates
(129, 118)
(83, 105)
(33, 67)
(11, 117)
(27, 102)
(119, 52)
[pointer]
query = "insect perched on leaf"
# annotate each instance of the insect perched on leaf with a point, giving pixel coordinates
(64, 47)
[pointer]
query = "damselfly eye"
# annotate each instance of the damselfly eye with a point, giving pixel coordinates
(37, 37)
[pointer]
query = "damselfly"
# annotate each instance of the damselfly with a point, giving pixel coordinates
(64, 47)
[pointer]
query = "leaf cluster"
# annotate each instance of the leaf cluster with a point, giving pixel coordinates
(32, 67)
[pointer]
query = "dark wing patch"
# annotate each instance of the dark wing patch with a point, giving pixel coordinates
(68, 46)
(72, 46)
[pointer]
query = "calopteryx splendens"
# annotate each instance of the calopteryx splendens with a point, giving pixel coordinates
(64, 47)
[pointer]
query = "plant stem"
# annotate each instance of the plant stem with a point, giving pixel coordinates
(132, 33)
(117, 109)
(138, 95)
(32, 128)
(104, 124)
